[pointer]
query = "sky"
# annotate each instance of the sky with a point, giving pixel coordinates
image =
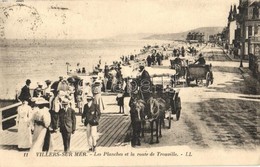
(91, 19)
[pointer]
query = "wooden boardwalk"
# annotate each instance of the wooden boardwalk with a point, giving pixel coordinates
(113, 129)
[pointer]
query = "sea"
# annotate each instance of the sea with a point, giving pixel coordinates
(42, 59)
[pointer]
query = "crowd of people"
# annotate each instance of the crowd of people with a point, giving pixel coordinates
(126, 59)
(53, 108)
(155, 58)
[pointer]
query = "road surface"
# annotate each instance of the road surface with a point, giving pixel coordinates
(224, 115)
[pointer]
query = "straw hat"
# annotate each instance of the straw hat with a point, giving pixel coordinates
(94, 76)
(41, 101)
(89, 97)
(98, 82)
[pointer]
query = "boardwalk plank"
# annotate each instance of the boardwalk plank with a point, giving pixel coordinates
(114, 138)
(108, 130)
(120, 137)
(109, 120)
(121, 133)
(115, 127)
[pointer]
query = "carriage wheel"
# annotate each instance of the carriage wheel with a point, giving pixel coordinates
(211, 76)
(208, 79)
(178, 113)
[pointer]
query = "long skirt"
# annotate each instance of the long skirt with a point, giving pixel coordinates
(39, 139)
(99, 101)
(24, 134)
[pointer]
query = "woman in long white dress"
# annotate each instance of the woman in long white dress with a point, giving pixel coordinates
(24, 115)
(42, 140)
(97, 95)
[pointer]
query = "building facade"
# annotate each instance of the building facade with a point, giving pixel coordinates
(249, 25)
(194, 37)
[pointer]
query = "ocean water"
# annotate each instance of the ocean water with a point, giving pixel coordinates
(40, 60)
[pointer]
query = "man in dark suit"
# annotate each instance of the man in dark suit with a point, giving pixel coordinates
(67, 120)
(25, 92)
(201, 60)
(90, 118)
(55, 86)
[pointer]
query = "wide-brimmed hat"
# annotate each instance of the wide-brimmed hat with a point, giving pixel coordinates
(38, 89)
(89, 97)
(94, 76)
(98, 82)
(41, 101)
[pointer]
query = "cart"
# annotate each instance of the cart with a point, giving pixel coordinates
(162, 89)
(197, 72)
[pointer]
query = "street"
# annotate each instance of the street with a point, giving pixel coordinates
(224, 115)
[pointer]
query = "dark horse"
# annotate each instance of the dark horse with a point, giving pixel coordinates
(153, 112)
(157, 107)
(137, 107)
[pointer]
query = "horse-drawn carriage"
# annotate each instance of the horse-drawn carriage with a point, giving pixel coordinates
(163, 101)
(191, 72)
(199, 72)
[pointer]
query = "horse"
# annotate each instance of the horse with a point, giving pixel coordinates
(137, 117)
(157, 107)
(152, 111)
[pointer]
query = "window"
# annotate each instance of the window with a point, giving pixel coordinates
(256, 29)
(255, 12)
(249, 31)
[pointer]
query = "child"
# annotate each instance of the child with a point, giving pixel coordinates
(120, 101)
